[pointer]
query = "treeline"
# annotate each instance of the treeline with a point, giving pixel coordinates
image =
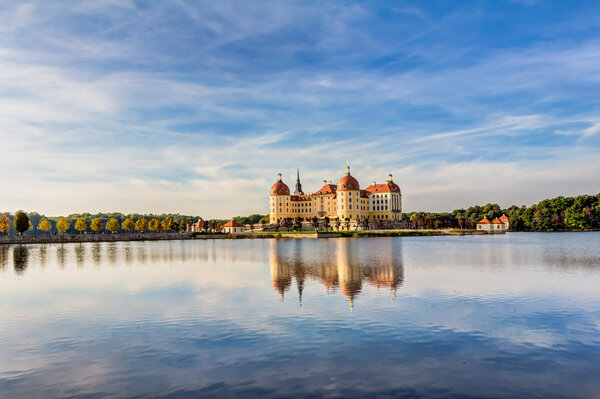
(556, 214)
(253, 219)
(34, 223)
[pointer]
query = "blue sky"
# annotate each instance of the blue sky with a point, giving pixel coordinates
(193, 107)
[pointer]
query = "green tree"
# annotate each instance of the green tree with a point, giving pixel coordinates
(141, 225)
(575, 218)
(44, 225)
(112, 225)
(542, 219)
(128, 225)
(154, 225)
(81, 225)
(21, 222)
(97, 225)
(63, 225)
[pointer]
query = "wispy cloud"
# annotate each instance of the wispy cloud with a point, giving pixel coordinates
(186, 106)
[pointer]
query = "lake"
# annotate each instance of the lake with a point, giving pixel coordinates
(514, 315)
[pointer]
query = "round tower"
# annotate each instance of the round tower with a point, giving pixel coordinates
(350, 205)
(279, 200)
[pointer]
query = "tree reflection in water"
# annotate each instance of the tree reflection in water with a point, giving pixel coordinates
(20, 258)
(3, 256)
(80, 254)
(339, 265)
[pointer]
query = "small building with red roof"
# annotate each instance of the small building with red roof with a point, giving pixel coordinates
(233, 227)
(493, 227)
(504, 219)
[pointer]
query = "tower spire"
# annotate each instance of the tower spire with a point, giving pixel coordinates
(298, 184)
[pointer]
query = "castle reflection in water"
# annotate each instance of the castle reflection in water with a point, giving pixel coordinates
(341, 263)
(345, 264)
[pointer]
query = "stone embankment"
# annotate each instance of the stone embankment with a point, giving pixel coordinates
(64, 238)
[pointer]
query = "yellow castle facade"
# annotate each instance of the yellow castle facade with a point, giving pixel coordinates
(345, 201)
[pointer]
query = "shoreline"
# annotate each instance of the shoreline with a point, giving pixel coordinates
(81, 238)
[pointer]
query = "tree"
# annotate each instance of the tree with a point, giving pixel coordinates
(365, 223)
(315, 223)
(264, 221)
(4, 224)
(167, 224)
(141, 225)
(81, 225)
(251, 223)
(337, 223)
(63, 225)
(326, 222)
(44, 225)
(154, 224)
(183, 225)
(575, 219)
(21, 222)
(112, 225)
(128, 225)
(347, 223)
(289, 222)
(542, 219)
(298, 224)
(97, 225)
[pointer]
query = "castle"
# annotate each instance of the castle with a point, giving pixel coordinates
(344, 201)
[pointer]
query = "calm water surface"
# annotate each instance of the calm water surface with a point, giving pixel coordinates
(507, 316)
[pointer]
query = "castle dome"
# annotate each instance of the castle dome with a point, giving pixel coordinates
(347, 182)
(279, 188)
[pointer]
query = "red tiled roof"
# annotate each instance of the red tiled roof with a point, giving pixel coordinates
(484, 221)
(364, 194)
(389, 187)
(280, 188)
(327, 189)
(496, 221)
(232, 223)
(347, 183)
(504, 219)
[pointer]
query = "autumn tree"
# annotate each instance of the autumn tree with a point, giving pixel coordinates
(97, 225)
(4, 224)
(63, 225)
(167, 224)
(44, 225)
(112, 225)
(81, 225)
(128, 225)
(154, 225)
(141, 225)
(21, 222)
(183, 225)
